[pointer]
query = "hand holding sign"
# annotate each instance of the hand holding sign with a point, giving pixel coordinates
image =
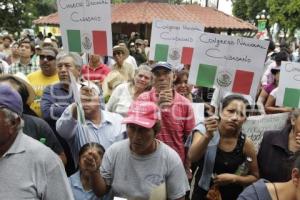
(211, 125)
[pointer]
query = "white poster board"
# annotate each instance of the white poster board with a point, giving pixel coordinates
(288, 93)
(255, 126)
(233, 64)
(173, 41)
(198, 109)
(86, 26)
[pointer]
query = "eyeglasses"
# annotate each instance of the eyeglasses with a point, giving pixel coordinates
(48, 57)
(117, 53)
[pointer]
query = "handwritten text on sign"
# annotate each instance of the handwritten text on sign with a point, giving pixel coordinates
(173, 41)
(289, 85)
(234, 64)
(255, 126)
(86, 25)
(75, 15)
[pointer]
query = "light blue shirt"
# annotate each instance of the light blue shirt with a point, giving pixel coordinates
(79, 192)
(106, 133)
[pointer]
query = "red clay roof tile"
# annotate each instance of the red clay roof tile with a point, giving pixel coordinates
(145, 12)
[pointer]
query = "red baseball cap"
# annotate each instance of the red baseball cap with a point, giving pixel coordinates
(142, 113)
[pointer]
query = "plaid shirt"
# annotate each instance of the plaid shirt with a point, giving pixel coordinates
(25, 69)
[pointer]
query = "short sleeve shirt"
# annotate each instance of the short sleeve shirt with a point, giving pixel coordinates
(134, 177)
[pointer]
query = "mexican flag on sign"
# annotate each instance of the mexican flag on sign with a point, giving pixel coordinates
(288, 91)
(291, 97)
(210, 76)
(164, 52)
(77, 41)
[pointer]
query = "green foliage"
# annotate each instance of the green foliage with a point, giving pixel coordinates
(239, 9)
(248, 9)
(19, 14)
(119, 1)
(285, 13)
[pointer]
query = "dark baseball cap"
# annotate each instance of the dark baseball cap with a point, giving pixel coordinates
(160, 65)
(10, 99)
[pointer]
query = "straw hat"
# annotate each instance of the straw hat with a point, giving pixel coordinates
(23, 79)
(123, 49)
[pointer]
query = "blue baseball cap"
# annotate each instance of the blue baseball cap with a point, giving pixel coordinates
(160, 65)
(10, 99)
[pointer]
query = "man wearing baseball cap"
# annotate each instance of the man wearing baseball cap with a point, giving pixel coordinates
(176, 112)
(144, 163)
(29, 169)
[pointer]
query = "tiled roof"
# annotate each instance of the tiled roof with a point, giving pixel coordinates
(145, 12)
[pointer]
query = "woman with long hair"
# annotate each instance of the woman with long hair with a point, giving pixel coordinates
(225, 158)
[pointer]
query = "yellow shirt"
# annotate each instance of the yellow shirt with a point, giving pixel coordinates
(39, 82)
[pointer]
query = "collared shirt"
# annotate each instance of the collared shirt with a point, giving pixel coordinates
(177, 121)
(109, 131)
(54, 101)
(39, 82)
(30, 170)
(274, 154)
(97, 73)
(25, 69)
(79, 192)
(56, 98)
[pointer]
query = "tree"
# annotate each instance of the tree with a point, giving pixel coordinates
(239, 8)
(18, 14)
(285, 13)
(248, 9)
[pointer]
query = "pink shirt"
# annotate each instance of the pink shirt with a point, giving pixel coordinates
(98, 73)
(177, 121)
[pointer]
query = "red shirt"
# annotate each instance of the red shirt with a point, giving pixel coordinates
(177, 121)
(98, 73)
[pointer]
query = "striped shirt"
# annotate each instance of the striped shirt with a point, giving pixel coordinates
(177, 121)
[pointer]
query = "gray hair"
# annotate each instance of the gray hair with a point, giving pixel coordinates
(77, 60)
(11, 116)
(147, 68)
(295, 113)
(143, 67)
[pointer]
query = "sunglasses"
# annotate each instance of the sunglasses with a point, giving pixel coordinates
(48, 57)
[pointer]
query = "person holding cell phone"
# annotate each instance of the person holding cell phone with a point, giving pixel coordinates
(226, 160)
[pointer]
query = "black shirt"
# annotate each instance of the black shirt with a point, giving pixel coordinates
(37, 128)
(274, 156)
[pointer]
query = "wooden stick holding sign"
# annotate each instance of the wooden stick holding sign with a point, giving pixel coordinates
(80, 112)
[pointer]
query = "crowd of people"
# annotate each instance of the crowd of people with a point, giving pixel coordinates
(96, 127)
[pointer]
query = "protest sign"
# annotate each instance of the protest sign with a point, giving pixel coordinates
(86, 26)
(198, 109)
(233, 64)
(255, 126)
(173, 41)
(288, 93)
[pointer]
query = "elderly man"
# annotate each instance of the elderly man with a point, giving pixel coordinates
(34, 127)
(102, 126)
(56, 98)
(29, 170)
(43, 77)
(176, 111)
